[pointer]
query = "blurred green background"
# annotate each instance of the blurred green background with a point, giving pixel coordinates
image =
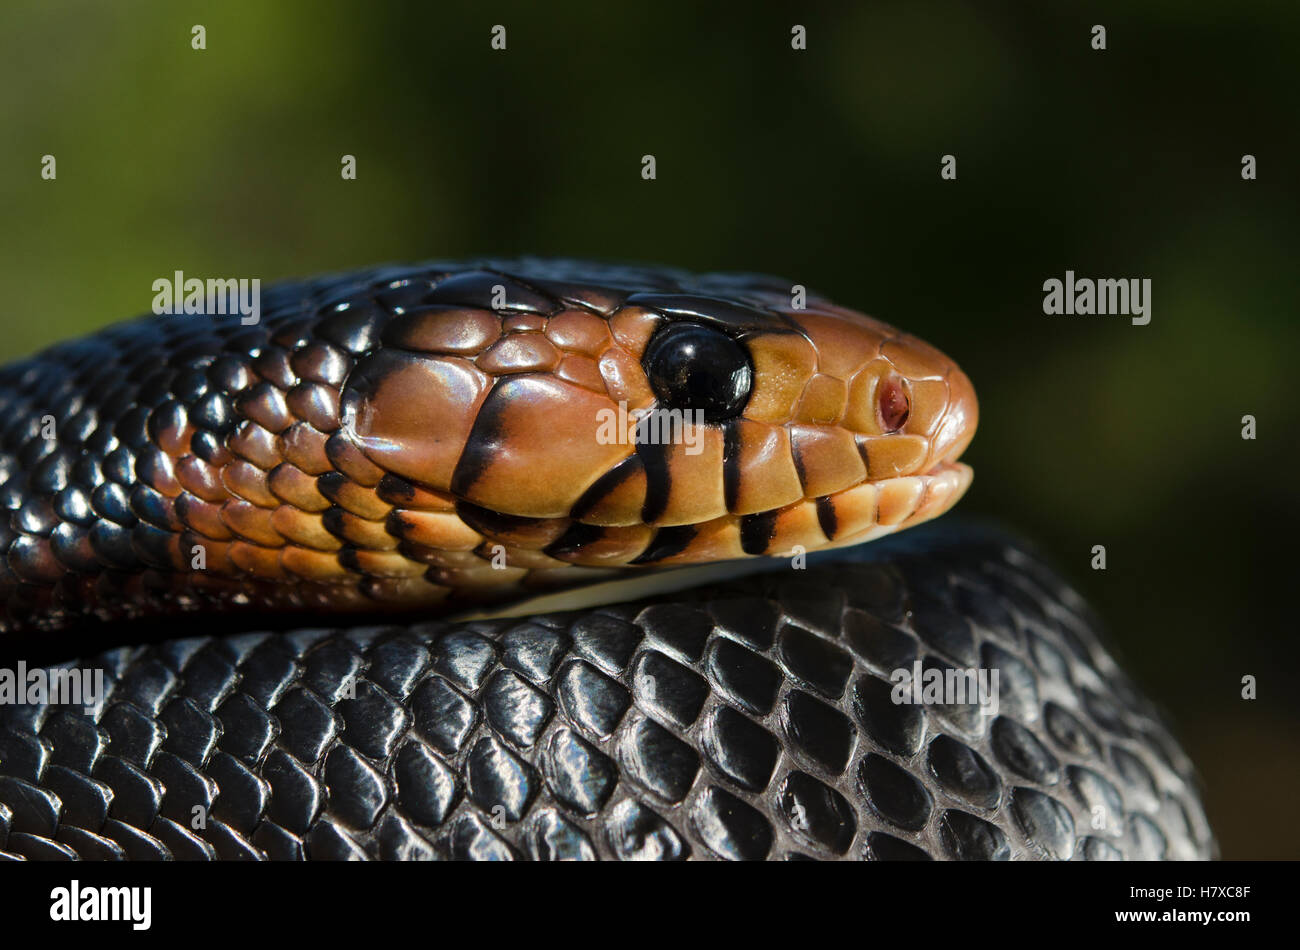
(822, 166)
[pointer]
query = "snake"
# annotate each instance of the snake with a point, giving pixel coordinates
(540, 558)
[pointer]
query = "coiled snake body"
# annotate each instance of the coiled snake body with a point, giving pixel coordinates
(421, 441)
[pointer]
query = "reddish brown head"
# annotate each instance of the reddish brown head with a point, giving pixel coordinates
(607, 427)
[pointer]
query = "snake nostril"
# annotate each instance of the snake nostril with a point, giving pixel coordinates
(893, 404)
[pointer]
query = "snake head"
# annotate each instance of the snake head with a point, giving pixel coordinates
(608, 417)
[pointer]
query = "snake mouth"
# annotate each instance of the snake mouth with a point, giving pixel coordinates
(875, 509)
(863, 513)
(868, 510)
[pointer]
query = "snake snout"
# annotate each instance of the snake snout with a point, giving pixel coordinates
(957, 427)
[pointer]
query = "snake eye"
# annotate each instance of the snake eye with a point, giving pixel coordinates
(695, 367)
(894, 404)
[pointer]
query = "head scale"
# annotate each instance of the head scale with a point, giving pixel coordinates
(627, 419)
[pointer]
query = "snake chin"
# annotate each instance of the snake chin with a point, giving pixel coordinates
(879, 508)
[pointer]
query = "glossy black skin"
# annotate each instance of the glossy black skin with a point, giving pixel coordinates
(749, 720)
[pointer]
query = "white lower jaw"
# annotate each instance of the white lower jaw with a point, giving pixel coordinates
(637, 586)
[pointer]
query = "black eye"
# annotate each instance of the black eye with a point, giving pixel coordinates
(694, 367)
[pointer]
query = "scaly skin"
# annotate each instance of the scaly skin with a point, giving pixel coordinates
(391, 439)
(744, 720)
(379, 438)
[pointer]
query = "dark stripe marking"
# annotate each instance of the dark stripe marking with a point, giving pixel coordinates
(347, 556)
(576, 537)
(332, 521)
(730, 465)
(394, 488)
(757, 531)
(489, 522)
(658, 481)
(666, 543)
(602, 486)
(826, 517)
(485, 441)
